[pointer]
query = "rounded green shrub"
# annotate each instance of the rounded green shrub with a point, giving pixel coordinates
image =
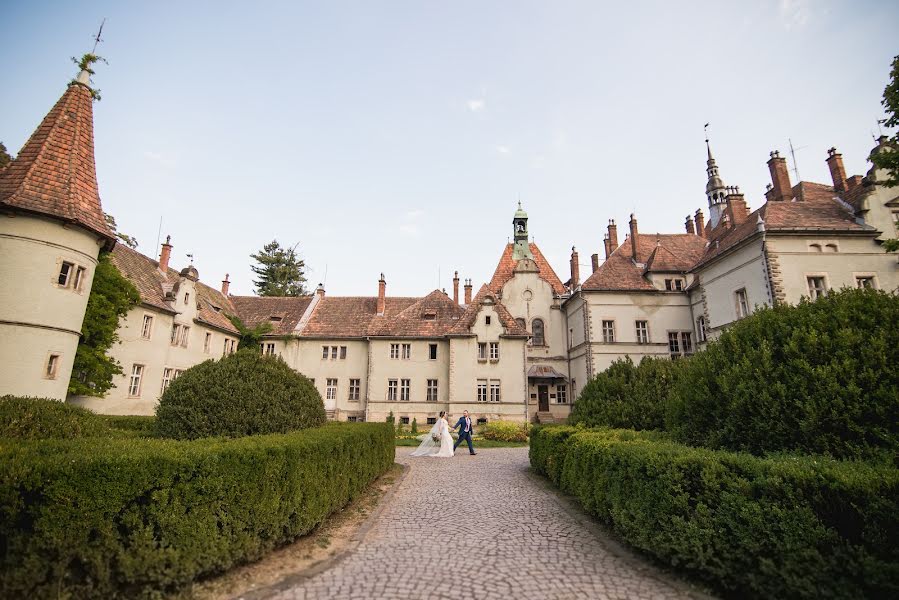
(242, 394)
(627, 395)
(44, 418)
(820, 377)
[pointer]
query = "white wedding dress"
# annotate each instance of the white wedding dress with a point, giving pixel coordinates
(440, 449)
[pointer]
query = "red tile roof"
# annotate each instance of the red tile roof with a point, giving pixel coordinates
(435, 315)
(659, 252)
(152, 284)
(351, 317)
(506, 267)
(54, 173)
(287, 311)
(484, 295)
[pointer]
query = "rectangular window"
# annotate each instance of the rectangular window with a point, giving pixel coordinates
(432, 420)
(333, 352)
(865, 282)
(494, 391)
(407, 351)
(562, 394)
(608, 332)
(167, 378)
(668, 285)
(352, 419)
(700, 330)
(679, 285)
(432, 351)
(137, 373)
(392, 385)
(176, 334)
(494, 350)
(487, 320)
(741, 303)
(405, 384)
(482, 390)
(52, 366)
(343, 353)
(482, 351)
(232, 346)
(270, 348)
(324, 353)
(816, 287)
(330, 389)
(642, 332)
(186, 298)
(404, 420)
(147, 328)
(185, 334)
(225, 349)
(65, 272)
(80, 272)
(673, 344)
(686, 339)
(354, 390)
(207, 343)
(432, 390)
(395, 351)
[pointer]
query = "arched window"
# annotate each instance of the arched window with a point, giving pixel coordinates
(537, 338)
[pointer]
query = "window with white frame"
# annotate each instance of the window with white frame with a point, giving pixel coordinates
(66, 270)
(494, 390)
(407, 351)
(325, 350)
(405, 386)
(538, 337)
(394, 351)
(146, 328)
(168, 376)
(185, 335)
(561, 394)
(354, 390)
(608, 331)
(225, 349)
(330, 389)
(482, 390)
(865, 282)
(267, 348)
(674, 285)
(80, 272)
(686, 342)
(700, 329)
(674, 344)
(432, 390)
(642, 328)
(482, 351)
(494, 350)
(52, 366)
(333, 352)
(392, 387)
(137, 373)
(207, 343)
(817, 286)
(741, 303)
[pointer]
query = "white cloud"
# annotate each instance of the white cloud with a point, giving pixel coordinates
(503, 149)
(476, 105)
(794, 13)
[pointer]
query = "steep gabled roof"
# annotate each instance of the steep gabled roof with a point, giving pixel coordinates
(144, 273)
(435, 315)
(352, 317)
(54, 173)
(283, 313)
(470, 315)
(505, 270)
(658, 252)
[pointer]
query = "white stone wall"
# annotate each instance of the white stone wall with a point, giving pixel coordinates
(38, 317)
(744, 268)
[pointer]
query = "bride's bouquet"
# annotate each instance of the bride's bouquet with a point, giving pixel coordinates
(436, 437)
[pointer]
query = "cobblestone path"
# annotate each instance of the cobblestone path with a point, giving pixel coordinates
(481, 527)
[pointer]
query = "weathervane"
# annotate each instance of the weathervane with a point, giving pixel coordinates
(97, 38)
(191, 257)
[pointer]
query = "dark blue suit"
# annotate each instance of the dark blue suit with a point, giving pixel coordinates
(464, 433)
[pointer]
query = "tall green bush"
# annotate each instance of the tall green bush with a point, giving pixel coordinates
(627, 395)
(43, 418)
(780, 527)
(819, 377)
(245, 393)
(139, 518)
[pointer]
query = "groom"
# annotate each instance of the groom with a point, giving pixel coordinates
(465, 433)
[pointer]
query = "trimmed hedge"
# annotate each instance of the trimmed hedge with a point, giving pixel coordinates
(42, 418)
(780, 527)
(821, 377)
(127, 518)
(504, 431)
(244, 393)
(627, 395)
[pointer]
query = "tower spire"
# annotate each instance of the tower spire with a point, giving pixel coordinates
(521, 248)
(715, 190)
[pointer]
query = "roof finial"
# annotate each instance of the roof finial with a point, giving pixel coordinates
(708, 148)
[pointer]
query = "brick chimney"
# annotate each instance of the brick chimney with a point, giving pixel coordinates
(575, 269)
(468, 291)
(225, 285)
(737, 211)
(320, 291)
(633, 224)
(594, 261)
(382, 293)
(781, 190)
(605, 243)
(837, 171)
(165, 255)
(613, 236)
(456, 287)
(700, 223)
(689, 225)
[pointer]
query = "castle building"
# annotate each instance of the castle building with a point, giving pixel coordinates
(520, 349)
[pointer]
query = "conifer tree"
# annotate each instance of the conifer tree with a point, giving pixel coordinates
(280, 271)
(5, 158)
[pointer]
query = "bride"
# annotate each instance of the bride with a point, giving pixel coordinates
(438, 442)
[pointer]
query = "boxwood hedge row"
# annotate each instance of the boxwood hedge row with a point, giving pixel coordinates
(776, 527)
(133, 517)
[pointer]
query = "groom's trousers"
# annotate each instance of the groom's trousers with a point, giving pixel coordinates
(464, 435)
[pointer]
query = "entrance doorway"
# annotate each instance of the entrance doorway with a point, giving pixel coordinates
(543, 398)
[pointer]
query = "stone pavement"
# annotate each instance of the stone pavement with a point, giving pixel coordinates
(473, 527)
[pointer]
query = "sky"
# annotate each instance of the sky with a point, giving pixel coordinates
(397, 137)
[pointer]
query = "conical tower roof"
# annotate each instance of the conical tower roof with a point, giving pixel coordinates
(54, 173)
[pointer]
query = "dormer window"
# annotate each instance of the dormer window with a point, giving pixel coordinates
(275, 318)
(429, 315)
(487, 320)
(216, 308)
(674, 285)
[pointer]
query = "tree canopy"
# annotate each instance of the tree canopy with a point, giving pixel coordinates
(249, 336)
(5, 158)
(126, 239)
(112, 296)
(280, 271)
(887, 158)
